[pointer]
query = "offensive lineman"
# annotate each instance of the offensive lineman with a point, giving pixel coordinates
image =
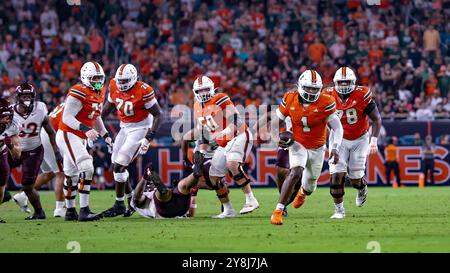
(140, 118)
(355, 106)
(81, 120)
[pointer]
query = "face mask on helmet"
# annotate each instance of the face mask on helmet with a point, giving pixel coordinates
(124, 84)
(97, 82)
(26, 100)
(203, 94)
(310, 93)
(5, 120)
(344, 86)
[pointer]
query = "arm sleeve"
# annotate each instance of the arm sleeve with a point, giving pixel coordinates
(100, 126)
(282, 111)
(71, 108)
(149, 97)
(338, 132)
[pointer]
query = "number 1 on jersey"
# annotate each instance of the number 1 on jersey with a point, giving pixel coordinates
(305, 124)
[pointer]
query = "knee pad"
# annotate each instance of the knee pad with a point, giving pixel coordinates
(222, 192)
(121, 177)
(86, 168)
(240, 175)
(337, 187)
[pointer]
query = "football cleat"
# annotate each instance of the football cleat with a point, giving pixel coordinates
(59, 212)
(21, 200)
(71, 215)
(231, 213)
(277, 217)
(6, 197)
(37, 216)
(2, 221)
(249, 207)
(299, 199)
(130, 211)
(338, 214)
(116, 210)
(87, 215)
(361, 197)
(198, 164)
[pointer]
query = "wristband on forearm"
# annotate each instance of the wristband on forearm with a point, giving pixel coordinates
(106, 135)
(84, 128)
(150, 135)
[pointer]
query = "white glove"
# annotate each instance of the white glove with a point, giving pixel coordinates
(221, 134)
(373, 146)
(92, 134)
(145, 144)
(110, 143)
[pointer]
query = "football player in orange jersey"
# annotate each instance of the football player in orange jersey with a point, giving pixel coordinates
(219, 121)
(355, 106)
(310, 111)
(140, 118)
(80, 121)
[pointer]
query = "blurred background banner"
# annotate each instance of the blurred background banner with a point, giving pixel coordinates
(409, 137)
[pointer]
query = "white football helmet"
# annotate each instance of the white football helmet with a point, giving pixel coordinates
(310, 85)
(203, 89)
(126, 77)
(344, 80)
(92, 75)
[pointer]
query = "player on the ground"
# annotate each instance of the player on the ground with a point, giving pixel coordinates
(9, 143)
(218, 120)
(81, 120)
(152, 199)
(32, 116)
(310, 111)
(220, 188)
(140, 118)
(50, 168)
(355, 106)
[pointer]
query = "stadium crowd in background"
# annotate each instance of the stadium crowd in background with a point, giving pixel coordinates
(253, 50)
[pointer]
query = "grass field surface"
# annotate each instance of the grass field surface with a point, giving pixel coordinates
(393, 220)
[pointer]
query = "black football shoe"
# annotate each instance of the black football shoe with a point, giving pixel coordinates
(199, 158)
(2, 221)
(87, 215)
(6, 197)
(117, 209)
(130, 211)
(37, 216)
(71, 215)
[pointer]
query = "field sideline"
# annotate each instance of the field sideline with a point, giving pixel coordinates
(400, 220)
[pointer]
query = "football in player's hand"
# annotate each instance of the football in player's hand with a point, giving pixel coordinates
(286, 139)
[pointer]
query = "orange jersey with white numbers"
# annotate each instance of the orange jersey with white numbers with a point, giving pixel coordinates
(213, 114)
(309, 120)
(92, 102)
(132, 106)
(351, 111)
(55, 116)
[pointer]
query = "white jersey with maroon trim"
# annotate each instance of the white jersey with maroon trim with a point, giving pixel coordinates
(30, 126)
(12, 130)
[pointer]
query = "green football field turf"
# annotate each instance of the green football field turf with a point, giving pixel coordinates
(397, 220)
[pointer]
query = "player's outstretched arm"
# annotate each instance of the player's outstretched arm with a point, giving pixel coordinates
(138, 195)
